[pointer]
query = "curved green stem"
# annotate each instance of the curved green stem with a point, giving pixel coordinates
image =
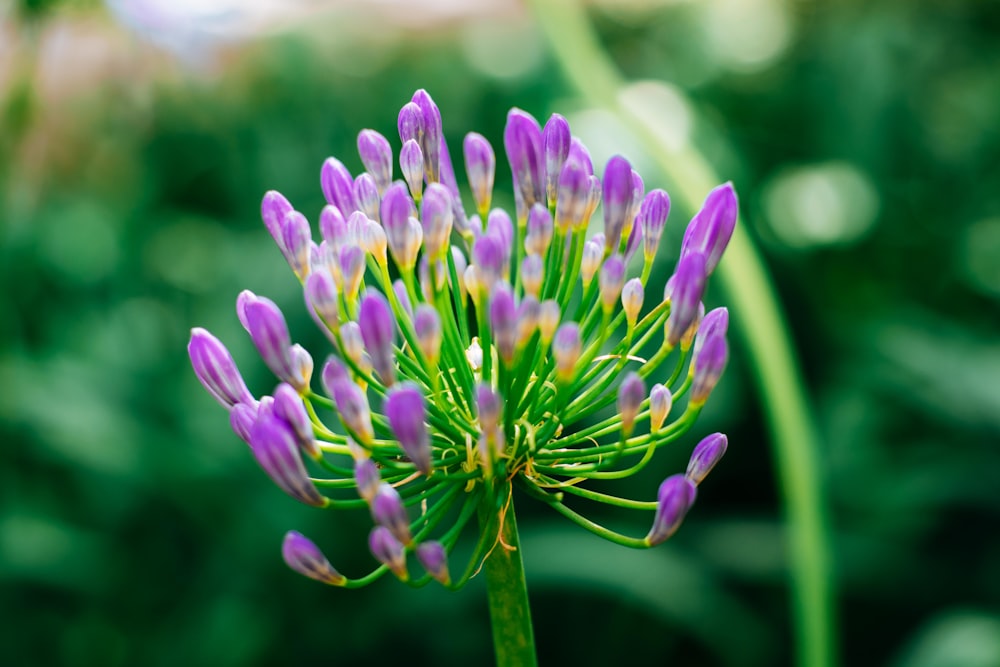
(772, 358)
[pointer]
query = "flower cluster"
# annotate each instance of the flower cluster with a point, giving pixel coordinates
(473, 352)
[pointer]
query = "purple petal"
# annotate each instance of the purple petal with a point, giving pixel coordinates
(216, 370)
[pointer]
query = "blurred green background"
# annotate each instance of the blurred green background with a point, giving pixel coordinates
(136, 140)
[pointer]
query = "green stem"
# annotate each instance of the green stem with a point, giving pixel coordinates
(510, 615)
(793, 431)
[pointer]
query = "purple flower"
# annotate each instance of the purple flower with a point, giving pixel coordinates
(674, 499)
(566, 348)
(388, 510)
(488, 255)
(411, 123)
(296, 238)
(549, 315)
(432, 136)
(686, 288)
(434, 558)
(338, 185)
(388, 551)
(376, 155)
(437, 216)
(578, 153)
(503, 321)
(710, 230)
(378, 331)
(532, 272)
(276, 448)
(427, 327)
(303, 556)
(397, 210)
(653, 218)
(242, 418)
(405, 409)
(573, 196)
(480, 165)
(289, 407)
(612, 280)
(632, 297)
(539, 230)
(706, 454)
(332, 226)
(489, 406)
(216, 370)
(708, 367)
(527, 320)
(269, 333)
(273, 210)
(351, 401)
(715, 323)
(522, 138)
(631, 394)
(367, 195)
(367, 478)
(411, 164)
(555, 140)
(617, 197)
(352, 269)
(593, 253)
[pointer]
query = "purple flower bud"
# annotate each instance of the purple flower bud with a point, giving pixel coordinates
(434, 558)
(539, 232)
(555, 139)
(397, 209)
(612, 280)
(288, 406)
(566, 348)
(411, 164)
(437, 217)
(638, 191)
(338, 185)
(527, 320)
(388, 510)
(273, 210)
(353, 345)
(712, 227)
(488, 256)
(548, 319)
(617, 198)
(427, 326)
(532, 272)
(332, 226)
(302, 367)
(378, 331)
(367, 478)
(632, 296)
(242, 418)
(333, 372)
(573, 196)
(276, 448)
(351, 402)
(376, 155)
(715, 323)
(304, 557)
(590, 262)
(660, 402)
(578, 153)
(480, 165)
(270, 336)
(631, 394)
(706, 454)
(674, 499)
(388, 551)
(653, 217)
(471, 281)
(685, 294)
(216, 370)
(366, 194)
(503, 322)
(411, 123)
(708, 368)
(375, 242)
(432, 137)
(352, 268)
(405, 409)
(522, 138)
(688, 336)
(399, 289)
(490, 407)
(499, 225)
(297, 237)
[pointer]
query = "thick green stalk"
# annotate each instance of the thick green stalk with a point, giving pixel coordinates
(510, 615)
(772, 358)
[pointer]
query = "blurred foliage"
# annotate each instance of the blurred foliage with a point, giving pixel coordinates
(135, 529)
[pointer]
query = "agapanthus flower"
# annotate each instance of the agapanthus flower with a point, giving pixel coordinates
(472, 353)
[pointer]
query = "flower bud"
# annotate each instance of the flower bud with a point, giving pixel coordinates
(275, 446)
(397, 211)
(405, 409)
(715, 323)
(471, 281)
(388, 510)
(333, 372)
(566, 348)
(376, 155)
(499, 225)
(522, 139)
(302, 367)
(378, 331)
(303, 556)
(674, 499)
(706, 454)
(578, 153)
(402, 296)
(708, 368)
(711, 228)
(427, 326)
(437, 217)
(411, 123)
(632, 297)
(375, 242)
(489, 406)
(612, 280)
(573, 196)
(338, 185)
(353, 344)
(539, 231)
(352, 270)
(352, 406)
(289, 407)
(631, 394)
(296, 239)
(652, 217)
(555, 140)
(366, 194)
(434, 558)
(617, 198)
(660, 402)
(686, 288)
(527, 320)
(503, 322)
(273, 210)
(411, 164)
(591, 261)
(270, 336)
(688, 336)
(480, 165)
(332, 226)
(242, 418)
(216, 370)
(549, 315)
(532, 268)
(388, 551)
(367, 478)
(432, 137)
(488, 256)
